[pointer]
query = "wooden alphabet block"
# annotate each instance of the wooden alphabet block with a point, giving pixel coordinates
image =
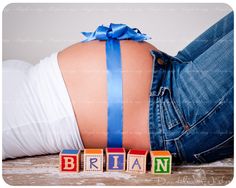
(136, 161)
(69, 160)
(93, 160)
(161, 162)
(115, 159)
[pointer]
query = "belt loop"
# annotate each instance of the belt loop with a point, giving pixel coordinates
(153, 93)
(161, 91)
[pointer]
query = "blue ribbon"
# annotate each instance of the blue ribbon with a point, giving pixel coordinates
(115, 31)
(112, 35)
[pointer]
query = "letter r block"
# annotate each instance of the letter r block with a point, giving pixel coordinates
(115, 159)
(69, 160)
(136, 161)
(93, 160)
(161, 162)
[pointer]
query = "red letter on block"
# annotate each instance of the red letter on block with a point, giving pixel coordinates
(69, 161)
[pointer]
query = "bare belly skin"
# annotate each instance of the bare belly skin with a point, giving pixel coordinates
(83, 67)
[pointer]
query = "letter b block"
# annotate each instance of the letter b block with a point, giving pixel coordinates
(93, 160)
(136, 161)
(161, 162)
(69, 160)
(115, 159)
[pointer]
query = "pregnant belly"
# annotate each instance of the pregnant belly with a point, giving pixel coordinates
(83, 67)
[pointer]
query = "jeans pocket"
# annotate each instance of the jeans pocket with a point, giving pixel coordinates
(220, 151)
(169, 114)
(170, 111)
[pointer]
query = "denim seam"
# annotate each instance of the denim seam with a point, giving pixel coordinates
(180, 116)
(205, 116)
(161, 111)
(165, 145)
(218, 145)
(178, 150)
(175, 59)
(162, 118)
(170, 123)
(200, 158)
(215, 41)
(151, 123)
(182, 119)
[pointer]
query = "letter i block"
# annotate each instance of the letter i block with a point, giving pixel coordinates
(115, 159)
(136, 161)
(161, 162)
(93, 160)
(69, 160)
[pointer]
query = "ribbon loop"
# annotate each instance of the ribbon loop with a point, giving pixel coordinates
(115, 31)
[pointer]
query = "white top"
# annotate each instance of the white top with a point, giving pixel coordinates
(38, 117)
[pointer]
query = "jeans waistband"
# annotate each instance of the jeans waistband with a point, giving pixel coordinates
(162, 68)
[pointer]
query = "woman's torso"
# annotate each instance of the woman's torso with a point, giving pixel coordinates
(83, 67)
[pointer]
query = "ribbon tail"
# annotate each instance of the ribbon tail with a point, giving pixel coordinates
(89, 36)
(114, 89)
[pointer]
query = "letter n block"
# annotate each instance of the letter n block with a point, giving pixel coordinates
(115, 159)
(136, 161)
(69, 160)
(93, 160)
(161, 162)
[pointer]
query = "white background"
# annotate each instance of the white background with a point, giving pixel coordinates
(34, 31)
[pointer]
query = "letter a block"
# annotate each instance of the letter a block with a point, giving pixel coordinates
(93, 160)
(69, 160)
(115, 159)
(161, 162)
(136, 161)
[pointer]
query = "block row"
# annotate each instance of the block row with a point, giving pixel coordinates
(116, 160)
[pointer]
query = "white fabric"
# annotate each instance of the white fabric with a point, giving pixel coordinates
(38, 117)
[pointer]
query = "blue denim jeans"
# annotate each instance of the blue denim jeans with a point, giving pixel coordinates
(191, 97)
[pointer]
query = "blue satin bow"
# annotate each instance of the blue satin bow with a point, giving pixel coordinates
(115, 31)
(112, 35)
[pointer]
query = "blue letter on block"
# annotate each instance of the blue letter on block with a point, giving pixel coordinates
(116, 162)
(92, 161)
(136, 163)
